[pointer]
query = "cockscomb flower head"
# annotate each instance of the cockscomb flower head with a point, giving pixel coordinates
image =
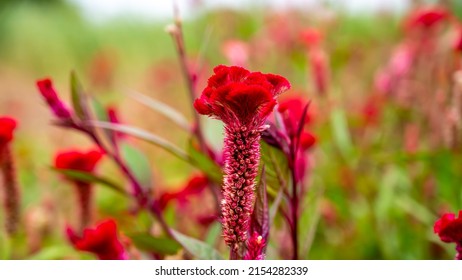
(58, 107)
(239, 97)
(102, 241)
(449, 229)
(242, 100)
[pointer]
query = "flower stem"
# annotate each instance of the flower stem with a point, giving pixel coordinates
(11, 190)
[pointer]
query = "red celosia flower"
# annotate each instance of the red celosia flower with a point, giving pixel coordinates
(51, 97)
(426, 17)
(196, 184)
(242, 100)
(84, 162)
(449, 229)
(239, 97)
(255, 246)
(9, 185)
(7, 126)
(101, 241)
(78, 160)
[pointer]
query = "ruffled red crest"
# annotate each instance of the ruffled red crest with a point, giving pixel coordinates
(101, 241)
(235, 94)
(449, 228)
(78, 160)
(7, 126)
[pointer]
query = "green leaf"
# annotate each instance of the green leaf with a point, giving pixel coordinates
(197, 248)
(213, 233)
(160, 245)
(205, 164)
(78, 97)
(144, 135)
(260, 214)
(276, 167)
(56, 252)
(341, 133)
(167, 111)
(90, 178)
(138, 164)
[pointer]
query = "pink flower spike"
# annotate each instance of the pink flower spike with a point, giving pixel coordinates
(48, 92)
(255, 246)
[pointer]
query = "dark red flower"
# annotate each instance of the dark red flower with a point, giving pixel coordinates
(449, 228)
(101, 241)
(307, 140)
(236, 95)
(195, 185)
(426, 18)
(48, 92)
(7, 126)
(78, 160)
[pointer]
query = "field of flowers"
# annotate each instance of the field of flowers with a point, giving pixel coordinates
(258, 134)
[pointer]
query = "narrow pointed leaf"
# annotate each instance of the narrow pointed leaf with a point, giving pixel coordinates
(138, 164)
(160, 245)
(90, 178)
(162, 108)
(197, 248)
(260, 215)
(143, 135)
(205, 164)
(78, 97)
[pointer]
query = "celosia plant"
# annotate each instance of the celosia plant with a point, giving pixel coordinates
(75, 160)
(10, 186)
(242, 100)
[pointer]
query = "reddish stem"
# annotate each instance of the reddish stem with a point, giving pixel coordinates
(11, 190)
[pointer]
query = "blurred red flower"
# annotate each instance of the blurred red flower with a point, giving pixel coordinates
(449, 229)
(195, 185)
(78, 160)
(426, 17)
(101, 241)
(48, 92)
(7, 126)
(311, 37)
